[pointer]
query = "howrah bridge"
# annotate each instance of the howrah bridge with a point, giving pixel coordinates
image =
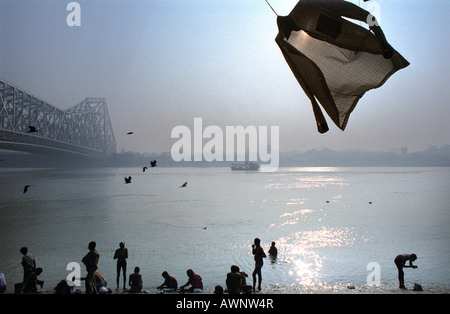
(30, 124)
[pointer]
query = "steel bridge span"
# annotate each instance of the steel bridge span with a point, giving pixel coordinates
(30, 124)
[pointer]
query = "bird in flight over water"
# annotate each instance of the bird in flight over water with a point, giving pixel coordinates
(25, 188)
(31, 129)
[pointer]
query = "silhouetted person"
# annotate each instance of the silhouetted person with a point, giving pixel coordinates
(273, 251)
(259, 254)
(234, 280)
(28, 262)
(135, 281)
(63, 287)
(218, 289)
(90, 260)
(121, 255)
(400, 262)
(169, 282)
(194, 280)
(245, 289)
(100, 283)
(31, 281)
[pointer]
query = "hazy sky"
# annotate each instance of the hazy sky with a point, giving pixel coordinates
(161, 63)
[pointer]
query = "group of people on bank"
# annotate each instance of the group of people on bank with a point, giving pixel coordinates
(236, 280)
(96, 283)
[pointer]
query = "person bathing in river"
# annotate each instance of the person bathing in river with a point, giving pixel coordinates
(121, 254)
(400, 262)
(259, 254)
(194, 280)
(170, 283)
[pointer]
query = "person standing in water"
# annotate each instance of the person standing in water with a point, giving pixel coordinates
(273, 251)
(121, 255)
(259, 254)
(400, 262)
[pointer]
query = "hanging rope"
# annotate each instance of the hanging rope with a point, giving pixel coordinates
(271, 7)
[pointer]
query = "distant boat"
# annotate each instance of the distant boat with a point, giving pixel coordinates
(248, 166)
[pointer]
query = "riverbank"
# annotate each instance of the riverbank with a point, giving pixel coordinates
(336, 289)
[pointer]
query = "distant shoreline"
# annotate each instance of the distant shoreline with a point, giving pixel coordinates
(433, 156)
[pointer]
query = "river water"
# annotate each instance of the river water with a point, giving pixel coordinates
(333, 227)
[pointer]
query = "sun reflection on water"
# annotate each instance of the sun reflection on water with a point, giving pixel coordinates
(302, 255)
(306, 268)
(307, 182)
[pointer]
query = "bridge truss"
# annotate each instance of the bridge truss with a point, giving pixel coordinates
(83, 129)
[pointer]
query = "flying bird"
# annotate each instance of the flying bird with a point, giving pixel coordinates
(129, 133)
(31, 129)
(25, 188)
(334, 60)
(153, 163)
(144, 168)
(184, 185)
(128, 180)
